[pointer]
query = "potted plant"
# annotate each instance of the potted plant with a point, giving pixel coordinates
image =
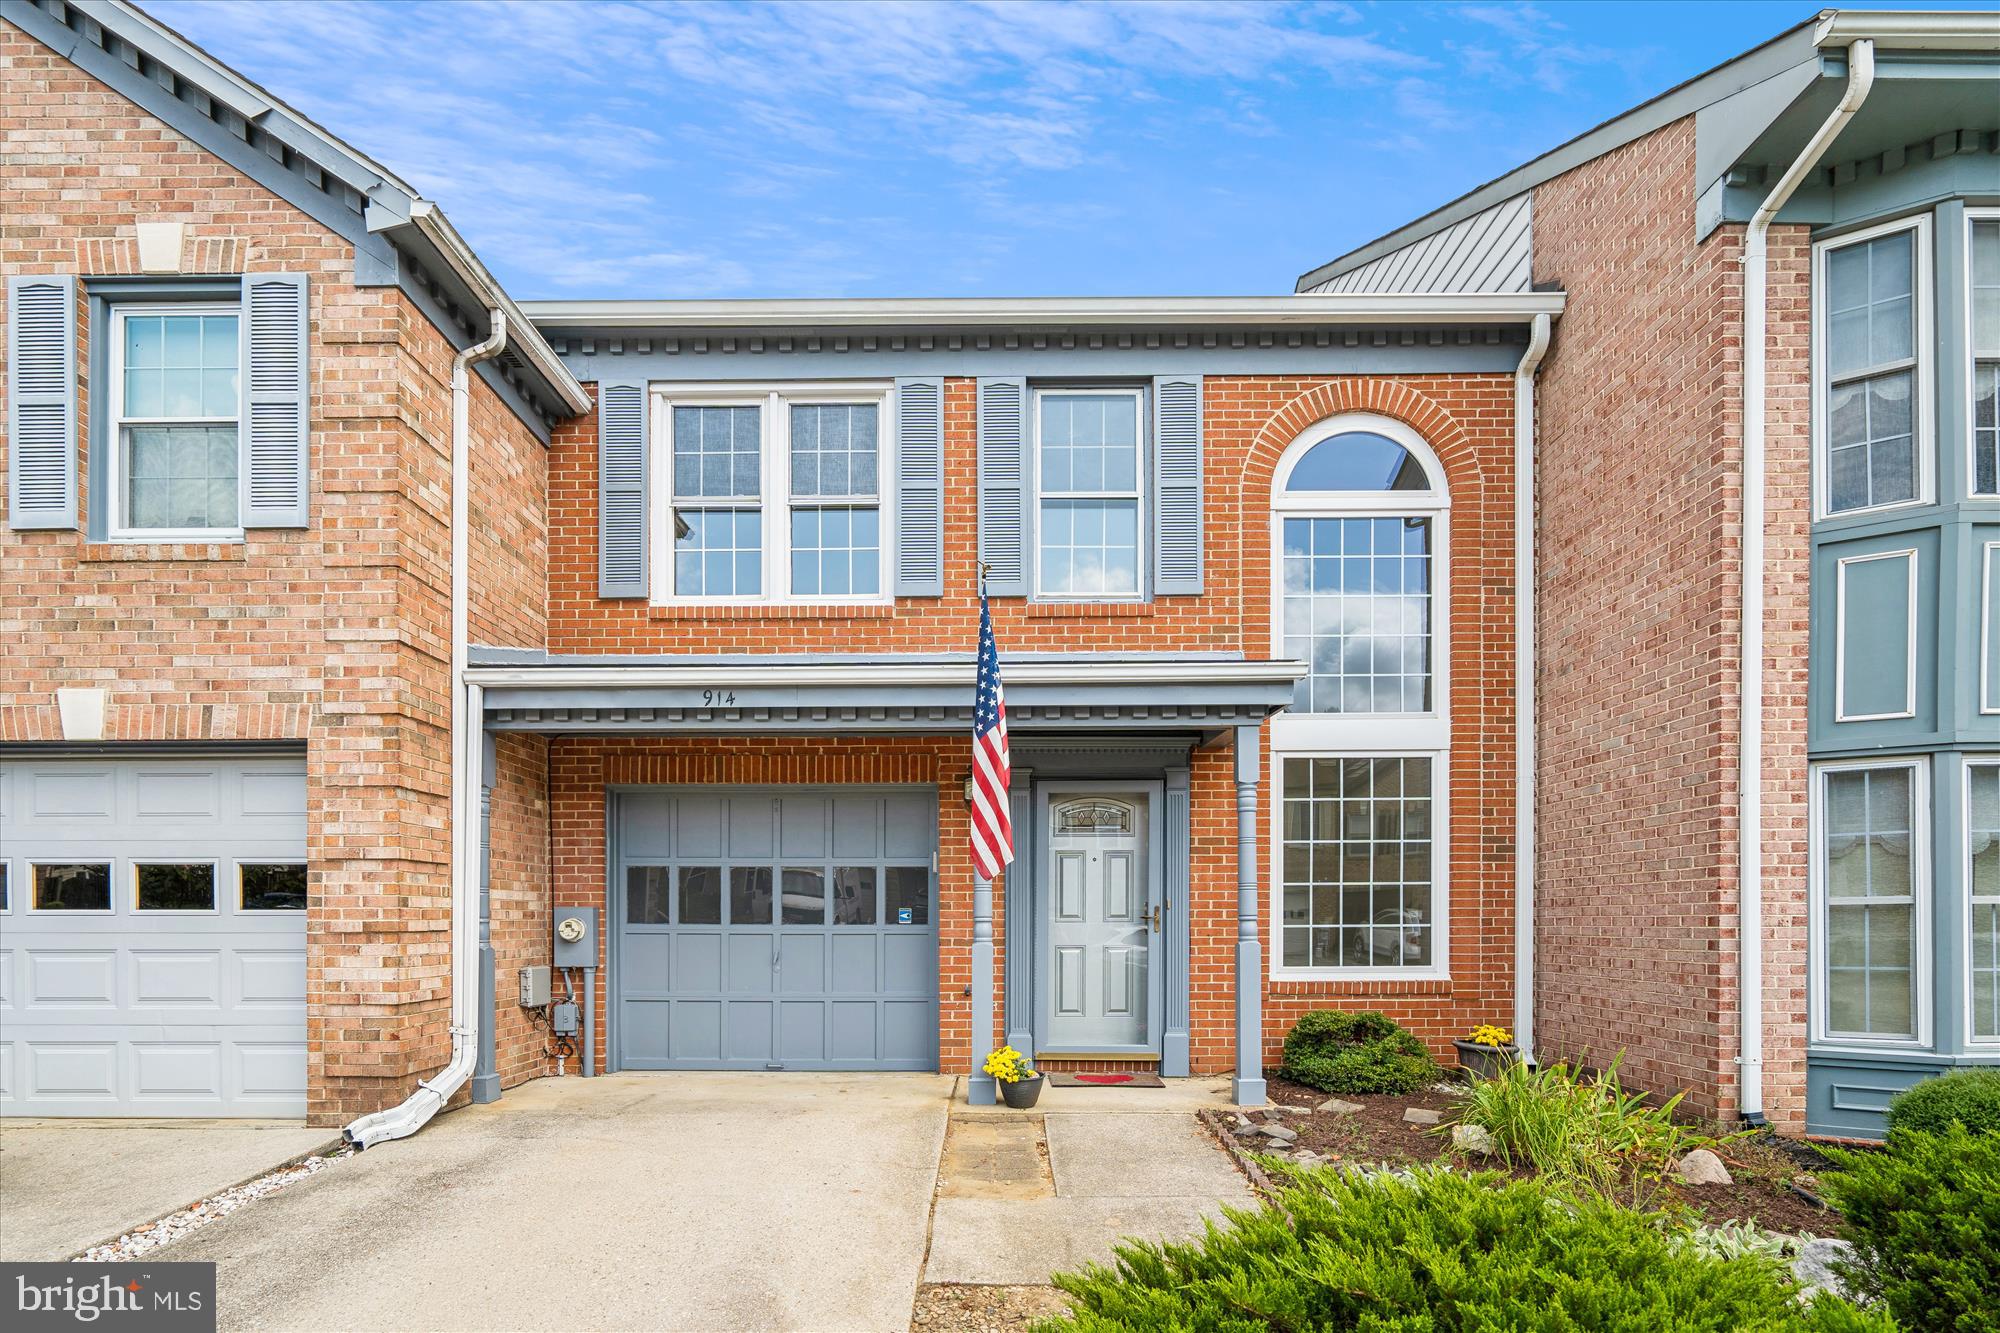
(1486, 1051)
(1019, 1084)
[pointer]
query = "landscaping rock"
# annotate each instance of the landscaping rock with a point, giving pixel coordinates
(1471, 1138)
(1335, 1106)
(1813, 1268)
(1702, 1167)
(1417, 1115)
(1279, 1132)
(1291, 1110)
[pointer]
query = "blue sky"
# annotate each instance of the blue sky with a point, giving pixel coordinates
(952, 149)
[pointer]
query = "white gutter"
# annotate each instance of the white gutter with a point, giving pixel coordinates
(1524, 686)
(1750, 752)
(431, 222)
(432, 1094)
(1909, 30)
(1055, 312)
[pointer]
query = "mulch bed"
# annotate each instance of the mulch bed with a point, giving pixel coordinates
(1765, 1170)
(948, 1308)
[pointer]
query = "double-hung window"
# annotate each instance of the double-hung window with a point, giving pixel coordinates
(1089, 515)
(1982, 879)
(777, 495)
(175, 404)
(1873, 322)
(1984, 266)
(1357, 557)
(1869, 878)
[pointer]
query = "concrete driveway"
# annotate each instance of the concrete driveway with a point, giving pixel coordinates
(632, 1201)
(65, 1185)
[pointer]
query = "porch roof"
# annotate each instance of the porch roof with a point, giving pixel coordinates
(864, 695)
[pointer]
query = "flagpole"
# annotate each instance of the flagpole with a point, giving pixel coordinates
(981, 1090)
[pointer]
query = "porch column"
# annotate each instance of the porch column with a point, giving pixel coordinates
(1248, 1089)
(485, 1071)
(979, 1090)
(1174, 942)
(1019, 916)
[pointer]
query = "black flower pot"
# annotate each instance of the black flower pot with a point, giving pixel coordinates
(1023, 1093)
(1485, 1061)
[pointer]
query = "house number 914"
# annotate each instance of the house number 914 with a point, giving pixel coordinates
(718, 698)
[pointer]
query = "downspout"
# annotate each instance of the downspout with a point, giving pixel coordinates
(1524, 686)
(466, 756)
(1750, 739)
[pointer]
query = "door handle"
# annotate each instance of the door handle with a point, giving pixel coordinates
(1156, 918)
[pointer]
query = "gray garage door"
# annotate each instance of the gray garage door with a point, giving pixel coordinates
(790, 929)
(152, 937)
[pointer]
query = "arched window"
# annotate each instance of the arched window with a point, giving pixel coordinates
(1358, 529)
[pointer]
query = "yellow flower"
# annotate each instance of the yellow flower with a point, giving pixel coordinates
(1008, 1065)
(1486, 1034)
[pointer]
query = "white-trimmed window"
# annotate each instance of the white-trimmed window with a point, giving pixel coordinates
(1982, 881)
(1873, 368)
(775, 494)
(1089, 504)
(1870, 877)
(174, 411)
(1358, 565)
(1983, 266)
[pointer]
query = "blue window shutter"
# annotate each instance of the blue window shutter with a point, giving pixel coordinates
(1005, 491)
(919, 487)
(621, 490)
(277, 420)
(41, 401)
(1177, 500)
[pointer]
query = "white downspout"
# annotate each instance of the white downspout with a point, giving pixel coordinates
(1750, 752)
(432, 1094)
(1524, 686)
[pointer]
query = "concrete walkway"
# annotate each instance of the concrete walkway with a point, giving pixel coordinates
(634, 1201)
(1050, 1192)
(65, 1185)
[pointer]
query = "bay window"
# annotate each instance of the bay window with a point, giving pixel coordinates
(1873, 323)
(777, 494)
(1358, 536)
(1869, 879)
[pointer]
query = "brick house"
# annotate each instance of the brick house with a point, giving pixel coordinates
(708, 574)
(374, 629)
(1874, 141)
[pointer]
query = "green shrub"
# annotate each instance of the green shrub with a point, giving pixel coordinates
(1440, 1251)
(1969, 1096)
(1925, 1221)
(1572, 1128)
(1338, 1050)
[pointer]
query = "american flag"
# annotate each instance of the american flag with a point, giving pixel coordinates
(992, 829)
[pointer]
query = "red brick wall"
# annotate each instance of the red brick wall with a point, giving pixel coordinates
(1640, 472)
(519, 831)
(335, 634)
(1468, 420)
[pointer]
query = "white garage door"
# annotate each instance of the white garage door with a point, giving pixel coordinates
(153, 937)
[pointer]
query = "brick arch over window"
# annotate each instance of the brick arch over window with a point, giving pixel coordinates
(1478, 476)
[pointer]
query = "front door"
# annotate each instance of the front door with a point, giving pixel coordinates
(1099, 961)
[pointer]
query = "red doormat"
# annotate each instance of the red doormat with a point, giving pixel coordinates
(1063, 1079)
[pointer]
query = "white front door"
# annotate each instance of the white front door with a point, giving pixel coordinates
(1100, 981)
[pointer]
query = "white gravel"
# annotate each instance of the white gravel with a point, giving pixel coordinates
(145, 1239)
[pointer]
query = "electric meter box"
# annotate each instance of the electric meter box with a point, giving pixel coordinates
(576, 937)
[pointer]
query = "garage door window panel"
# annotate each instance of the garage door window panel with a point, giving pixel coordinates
(700, 896)
(854, 894)
(804, 900)
(74, 886)
(750, 896)
(178, 886)
(909, 890)
(271, 887)
(646, 895)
